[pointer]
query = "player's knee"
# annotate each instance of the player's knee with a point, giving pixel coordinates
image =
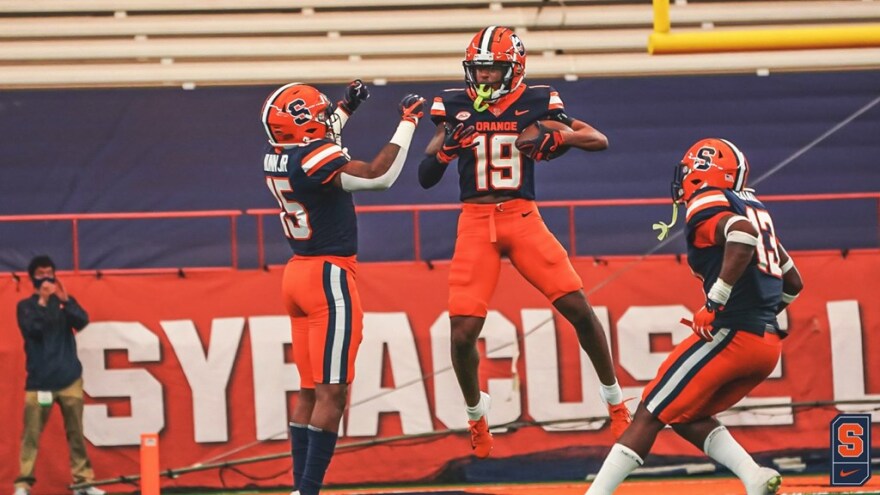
(580, 316)
(466, 305)
(464, 338)
(332, 394)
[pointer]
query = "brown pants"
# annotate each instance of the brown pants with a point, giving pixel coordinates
(70, 400)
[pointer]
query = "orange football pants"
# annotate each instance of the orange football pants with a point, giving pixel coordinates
(700, 379)
(326, 317)
(513, 228)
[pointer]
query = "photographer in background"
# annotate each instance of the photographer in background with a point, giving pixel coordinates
(47, 321)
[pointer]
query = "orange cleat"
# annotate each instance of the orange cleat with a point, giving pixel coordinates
(620, 418)
(481, 438)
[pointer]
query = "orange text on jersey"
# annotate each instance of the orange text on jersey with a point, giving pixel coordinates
(497, 126)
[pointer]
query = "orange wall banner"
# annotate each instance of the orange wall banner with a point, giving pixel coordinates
(205, 361)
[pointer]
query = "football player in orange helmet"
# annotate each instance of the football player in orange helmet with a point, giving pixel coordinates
(748, 278)
(710, 163)
(312, 178)
(479, 126)
(501, 52)
(297, 114)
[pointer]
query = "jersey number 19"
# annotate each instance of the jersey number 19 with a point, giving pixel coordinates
(498, 162)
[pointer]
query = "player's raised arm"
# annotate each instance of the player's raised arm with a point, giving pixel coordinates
(355, 93)
(381, 173)
(792, 285)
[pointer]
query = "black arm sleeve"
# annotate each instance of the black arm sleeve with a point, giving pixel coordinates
(76, 315)
(431, 170)
(560, 116)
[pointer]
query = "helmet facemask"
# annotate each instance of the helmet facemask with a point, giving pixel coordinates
(508, 72)
(330, 119)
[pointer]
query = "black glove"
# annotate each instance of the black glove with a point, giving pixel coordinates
(544, 145)
(457, 138)
(412, 108)
(355, 93)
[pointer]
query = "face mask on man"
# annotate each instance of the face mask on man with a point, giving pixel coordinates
(40, 281)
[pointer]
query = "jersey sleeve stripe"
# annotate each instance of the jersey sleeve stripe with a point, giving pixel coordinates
(320, 157)
(438, 108)
(706, 201)
(324, 161)
(555, 101)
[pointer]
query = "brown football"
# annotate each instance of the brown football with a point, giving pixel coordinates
(532, 131)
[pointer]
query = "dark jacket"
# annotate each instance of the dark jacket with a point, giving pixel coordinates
(49, 344)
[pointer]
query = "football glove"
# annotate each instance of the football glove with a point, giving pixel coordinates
(412, 108)
(702, 324)
(355, 93)
(457, 139)
(544, 144)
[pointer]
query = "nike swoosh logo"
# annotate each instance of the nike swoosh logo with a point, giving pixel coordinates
(526, 214)
(844, 474)
(520, 112)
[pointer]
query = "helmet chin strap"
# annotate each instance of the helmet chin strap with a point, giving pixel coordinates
(483, 91)
(664, 227)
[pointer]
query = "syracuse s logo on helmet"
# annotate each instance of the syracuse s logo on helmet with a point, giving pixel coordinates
(299, 111)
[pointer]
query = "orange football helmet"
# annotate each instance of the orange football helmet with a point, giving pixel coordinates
(709, 162)
(495, 46)
(297, 113)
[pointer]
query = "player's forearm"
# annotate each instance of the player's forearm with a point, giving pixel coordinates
(737, 257)
(340, 121)
(792, 284)
(585, 137)
(383, 171)
(431, 170)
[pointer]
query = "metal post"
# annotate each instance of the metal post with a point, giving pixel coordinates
(417, 238)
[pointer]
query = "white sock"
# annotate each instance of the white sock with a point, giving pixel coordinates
(476, 412)
(612, 394)
(621, 461)
(721, 446)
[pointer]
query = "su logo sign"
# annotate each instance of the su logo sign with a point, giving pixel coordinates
(850, 449)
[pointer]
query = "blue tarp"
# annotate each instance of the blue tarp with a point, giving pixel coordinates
(161, 149)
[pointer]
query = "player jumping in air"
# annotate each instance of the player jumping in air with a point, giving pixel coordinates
(479, 126)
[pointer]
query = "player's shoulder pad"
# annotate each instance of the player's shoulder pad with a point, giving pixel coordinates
(747, 195)
(706, 203)
(319, 153)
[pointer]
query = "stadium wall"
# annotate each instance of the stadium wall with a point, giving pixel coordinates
(177, 355)
(162, 149)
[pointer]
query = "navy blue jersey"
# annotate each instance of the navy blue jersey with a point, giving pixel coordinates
(495, 165)
(317, 217)
(757, 294)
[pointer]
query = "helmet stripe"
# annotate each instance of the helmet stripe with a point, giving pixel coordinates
(740, 165)
(486, 42)
(269, 102)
